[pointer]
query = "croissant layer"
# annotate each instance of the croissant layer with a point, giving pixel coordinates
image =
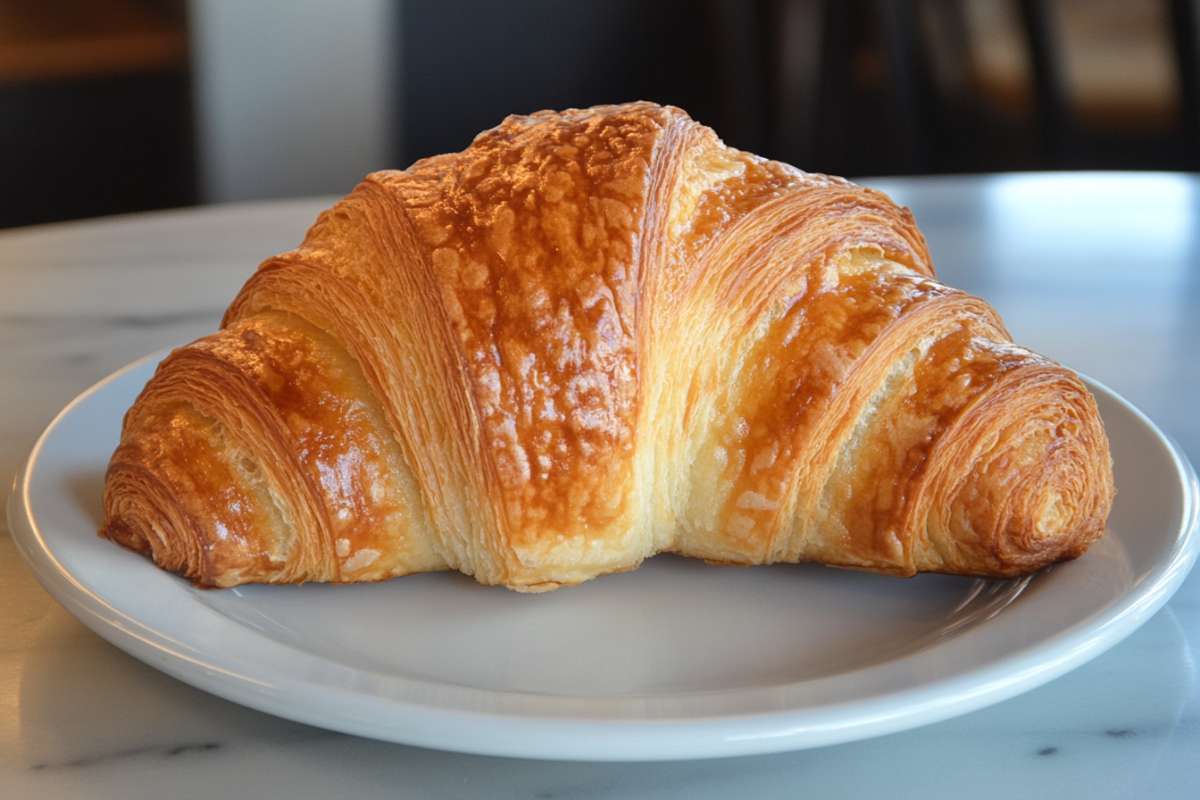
(592, 336)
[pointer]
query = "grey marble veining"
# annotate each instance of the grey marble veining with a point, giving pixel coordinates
(1101, 272)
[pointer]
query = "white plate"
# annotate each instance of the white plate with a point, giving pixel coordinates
(675, 660)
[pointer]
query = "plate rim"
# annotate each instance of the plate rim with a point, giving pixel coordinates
(612, 739)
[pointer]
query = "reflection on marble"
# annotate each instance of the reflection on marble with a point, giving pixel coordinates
(80, 719)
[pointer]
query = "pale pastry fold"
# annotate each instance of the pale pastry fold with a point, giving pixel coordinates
(590, 337)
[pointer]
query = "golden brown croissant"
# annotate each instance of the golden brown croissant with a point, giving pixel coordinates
(590, 337)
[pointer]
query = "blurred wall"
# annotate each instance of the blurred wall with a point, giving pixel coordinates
(467, 65)
(111, 106)
(95, 108)
(293, 97)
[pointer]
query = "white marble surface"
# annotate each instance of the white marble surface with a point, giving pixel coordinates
(1102, 272)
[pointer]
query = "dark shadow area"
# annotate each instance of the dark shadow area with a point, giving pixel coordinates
(86, 489)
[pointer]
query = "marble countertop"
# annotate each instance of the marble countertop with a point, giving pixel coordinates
(1101, 271)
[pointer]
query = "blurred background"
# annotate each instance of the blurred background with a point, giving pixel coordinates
(109, 106)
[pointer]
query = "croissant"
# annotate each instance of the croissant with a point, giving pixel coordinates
(590, 337)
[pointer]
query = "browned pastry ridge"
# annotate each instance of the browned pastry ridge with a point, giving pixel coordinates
(590, 337)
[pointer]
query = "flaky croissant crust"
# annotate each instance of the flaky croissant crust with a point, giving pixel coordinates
(590, 337)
